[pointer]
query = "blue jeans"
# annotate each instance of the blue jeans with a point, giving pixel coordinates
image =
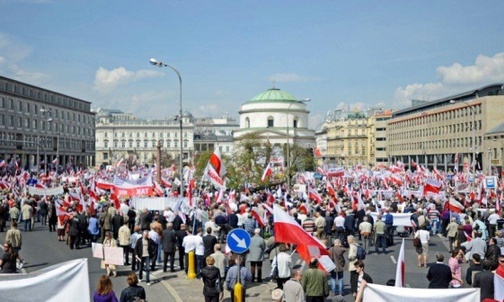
(27, 224)
(159, 252)
(199, 264)
(337, 279)
(380, 238)
(434, 226)
(145, 263)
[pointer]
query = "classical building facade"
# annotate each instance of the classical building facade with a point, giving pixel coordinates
(214, 133)
(34, 121)
(277, 116)
(432, 133)
(349, 138)
(121, 135)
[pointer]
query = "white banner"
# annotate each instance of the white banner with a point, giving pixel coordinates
(67, 281)
(157, 203)
(400, 219)
(379, 293)
(45, 191)
(113, 255)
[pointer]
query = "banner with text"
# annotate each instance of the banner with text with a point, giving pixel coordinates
(45, 191)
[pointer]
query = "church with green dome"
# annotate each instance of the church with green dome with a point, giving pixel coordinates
(277, 116)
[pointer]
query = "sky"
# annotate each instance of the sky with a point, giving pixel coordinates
(340, 54)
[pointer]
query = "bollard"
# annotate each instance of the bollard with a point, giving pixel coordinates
(238, 292)
(191, 266)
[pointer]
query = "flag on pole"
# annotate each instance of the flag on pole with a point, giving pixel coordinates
(499, 283)
(400, 269)
(267, 173)
(216, 161)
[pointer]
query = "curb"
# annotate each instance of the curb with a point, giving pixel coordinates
(169, 288)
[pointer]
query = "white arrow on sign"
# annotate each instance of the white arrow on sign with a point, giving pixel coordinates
(241, 242)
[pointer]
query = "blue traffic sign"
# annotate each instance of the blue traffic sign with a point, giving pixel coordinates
(238, 241)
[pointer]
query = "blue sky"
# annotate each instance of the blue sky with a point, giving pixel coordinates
(338, 53)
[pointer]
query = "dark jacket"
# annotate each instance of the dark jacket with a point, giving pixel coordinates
(74, 226)
(180, 237)
(145, 221)
(162, 220)
(209, 275)
(209, 241)
(152, 248)
(473, 268)
(349, 223)
(233, 220)
(485, 281)
(169, 241)
(130, 293)
(439, 275)
(493, 253)
(177, 222)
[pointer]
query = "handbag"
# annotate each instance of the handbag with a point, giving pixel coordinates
(274, 274)
(417, 242)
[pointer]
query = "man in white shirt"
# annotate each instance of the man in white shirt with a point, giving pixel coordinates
(492, 221)
(283, 263)
(211, 224)
(200, 252)
(124, 208)
(189, 243)
(339, 223)
(424, 236)
(168, 214)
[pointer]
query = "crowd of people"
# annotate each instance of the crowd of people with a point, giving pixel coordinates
(152, 240)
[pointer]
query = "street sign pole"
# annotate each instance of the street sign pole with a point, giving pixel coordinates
(238, 241)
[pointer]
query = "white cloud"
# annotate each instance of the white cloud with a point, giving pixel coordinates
(455, 78)
(29, 76)
(289, 77)
(208, 110)
(108, 80)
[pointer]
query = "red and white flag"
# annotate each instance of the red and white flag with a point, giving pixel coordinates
(432, 186)
(114, 198)
(214, 177)
(454, 206)
(312, 194)
(287, 230)
(255, 213)
(216, 161)
(499, 283)
(330, 188)
(267, 173)
(400, 269)
(55, 161)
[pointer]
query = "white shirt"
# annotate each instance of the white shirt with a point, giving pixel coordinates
(492, 219)
(189, 243)
(154, 236)
(124, 208)
(200, 248)
(339, 221)
(168, 215)
(284, 262)
(423, 235)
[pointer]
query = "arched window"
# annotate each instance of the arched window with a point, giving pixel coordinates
(295, 123)
(247, 122)
(271, 122)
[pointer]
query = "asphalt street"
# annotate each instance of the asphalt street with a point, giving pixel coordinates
(41, 249)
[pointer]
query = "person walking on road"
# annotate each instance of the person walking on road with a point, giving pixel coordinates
(8, 260)
(314, 283)
(352, 257)
(365, 229)
(133, 292)
(439, 274)
(232, 277)
(104, 291)
(337, 257)
(145, 249)
(293, 290)
(109, 242)
(212, 281)
(379, 230)
(169, 245)
(256, 255)
(423, 249)
(15, 240)
(283, 264)
(220, 260)
(27, 213)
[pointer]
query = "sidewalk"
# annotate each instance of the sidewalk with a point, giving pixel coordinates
(184, 290)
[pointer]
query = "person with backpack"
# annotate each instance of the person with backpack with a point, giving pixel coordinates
(133, 292)
(212, 282)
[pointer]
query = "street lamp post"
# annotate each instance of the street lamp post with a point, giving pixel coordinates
(473, 126)
(161, 64)
(288, 140)
(50, 120)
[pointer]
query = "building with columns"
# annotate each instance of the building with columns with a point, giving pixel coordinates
(433, 133)
(35, 121)
(277, 116)
(123, 135)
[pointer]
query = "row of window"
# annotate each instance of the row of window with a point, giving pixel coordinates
(50, 143)
(138, 144)
(436, 117)
(466, 142)
(35, 109)
(465, 127)
(21, 123)
(44, 96)
(144, 134)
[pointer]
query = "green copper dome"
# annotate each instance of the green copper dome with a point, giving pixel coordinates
(273, 95)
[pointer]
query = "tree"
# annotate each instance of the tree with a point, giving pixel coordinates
(301, 159)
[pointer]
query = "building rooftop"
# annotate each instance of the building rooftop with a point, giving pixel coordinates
(497, 130)
(273, 95)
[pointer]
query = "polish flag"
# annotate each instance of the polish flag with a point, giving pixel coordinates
(330, 188)
(287, 230)
(255, 213)
(433, 186)
(400, 269)
(397, 180)
(454, 206)
(114, 198)
(216, 161)
(306, 207)
(312, 194)
(499, 283)
(267, 173)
